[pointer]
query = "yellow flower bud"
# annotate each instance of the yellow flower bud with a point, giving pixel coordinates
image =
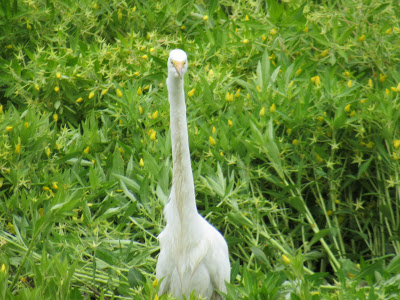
(273, 31)
(155, 282)
(349, 83)
(347, 107)
(141, 163)
(298, 72)
(47, 150)
(370, 83)
(140, 110)
(272, 108)
(58, 75)
(55, 118)
(213, 130)
(79, 100)
(86, 151)
(191, 93)
(26, 124)
(362, 38)
(294, 142)
(103, 92)
(230, 123)
(119, 93)
(246, 18)
(286, 260)
(212, 141)
(9, 128)
(229, 97)
(263, 37)
(154, 115)
(262, 112)
(205, 18)
(153, 135)
(37, 87)
(55, 185)
(91, 95)
(245, 41)
(389, 31)
(57, 89)
(145, 56)
(18, 148)
(324, 53)
(396, 144)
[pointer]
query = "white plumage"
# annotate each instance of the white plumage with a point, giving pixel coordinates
(194, 255)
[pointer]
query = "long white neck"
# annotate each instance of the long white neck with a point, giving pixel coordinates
(182, 176)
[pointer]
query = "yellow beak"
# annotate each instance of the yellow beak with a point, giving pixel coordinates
(178, 67)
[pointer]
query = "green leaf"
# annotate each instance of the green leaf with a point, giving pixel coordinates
(135, 278)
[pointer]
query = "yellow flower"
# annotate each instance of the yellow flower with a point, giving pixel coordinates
(382, 77)
(273, 31)
(55, 118)
(26, 124)
(37, 87)
(140, 110)
(362, 38)
(145, 56)
(18, 148)
(230, 123)
(79, 100)
(139, 91)
(136, 73)
(213, 130)
(211, 73)
(55, 185)
(134, 9)
(221, 153)
(389, 31)
(91, 95)
(119, 93)
(86, 151)
(258, 89)
(154, 115)
(56, 89)
(245, 41)
(387, 92)
(229, 97)
(316, 80)
(294, 142)
(347, 107)
(393, 89)
(153, 135)
(103, 92)
(47, 150)
(363, 101)
(289, 131)
(183, 27)
(191, 93)
(237, 94)
(156, 297)
(9, 128)
(212, 141)
(396, 144)
(347, 73)
(306, 29)
(146, 88)
(298, 72)
(285, 259)
(262, 112)
(349, 83)
(263, 37)
(370, 83)
(45, 188)
(246, 18)
(205, 18)
(141, 163)
(324, 53)
(3, 268)
(272, 108)
(58, 75)
(155, 282)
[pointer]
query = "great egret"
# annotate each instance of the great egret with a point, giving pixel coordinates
(194, 255)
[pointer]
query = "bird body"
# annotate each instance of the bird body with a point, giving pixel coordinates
(194, 255)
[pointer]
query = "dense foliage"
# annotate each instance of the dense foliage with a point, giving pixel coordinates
(294, 125)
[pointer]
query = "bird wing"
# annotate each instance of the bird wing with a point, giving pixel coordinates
(217, 261)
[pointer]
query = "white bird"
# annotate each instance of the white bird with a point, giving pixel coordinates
(194, 255)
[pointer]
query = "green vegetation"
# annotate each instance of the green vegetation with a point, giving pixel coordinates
(294, 124)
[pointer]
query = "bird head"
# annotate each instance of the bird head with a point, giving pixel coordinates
(177, 63)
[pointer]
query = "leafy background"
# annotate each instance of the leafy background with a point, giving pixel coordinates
(293, 116)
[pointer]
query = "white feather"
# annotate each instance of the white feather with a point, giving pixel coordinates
(194, 255)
